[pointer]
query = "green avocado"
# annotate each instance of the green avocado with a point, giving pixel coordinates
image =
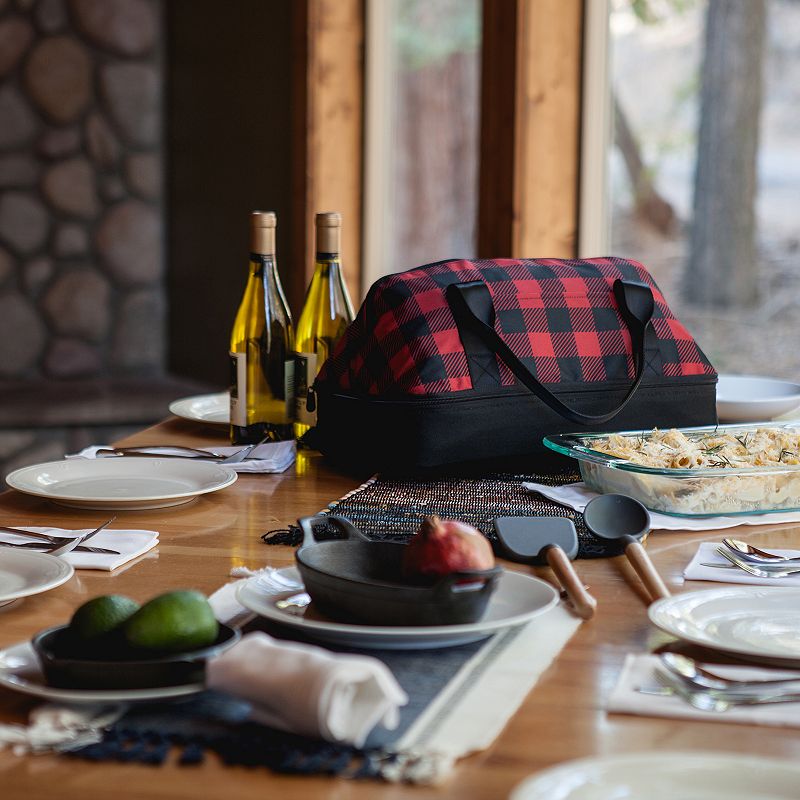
(177, 621)
(101, 615)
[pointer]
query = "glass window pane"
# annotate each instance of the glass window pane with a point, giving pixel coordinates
(705, 168)
(433, 168)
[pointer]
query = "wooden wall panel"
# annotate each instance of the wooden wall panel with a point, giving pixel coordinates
(531, 108)
(228, 151)
(496, 203)
(328, 174)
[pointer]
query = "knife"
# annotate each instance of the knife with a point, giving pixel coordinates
(44, 546)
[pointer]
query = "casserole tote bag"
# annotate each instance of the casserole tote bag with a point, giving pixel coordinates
(474, 362)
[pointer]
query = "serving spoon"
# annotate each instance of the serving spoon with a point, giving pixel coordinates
(617, 517)
(755, 554)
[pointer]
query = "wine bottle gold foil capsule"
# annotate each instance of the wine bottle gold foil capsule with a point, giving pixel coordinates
(329, 231)
(262, 232)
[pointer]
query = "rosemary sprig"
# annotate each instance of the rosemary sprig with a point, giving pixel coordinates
(711, 449)
(743, 441)
(722, 461)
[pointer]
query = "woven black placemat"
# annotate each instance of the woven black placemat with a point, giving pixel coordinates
(392, 507)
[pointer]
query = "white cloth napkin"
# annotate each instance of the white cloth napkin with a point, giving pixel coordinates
(707, 554)
(639, 670)
(269, 457)
(307, 690)
(577, 495)
(229, 610)
(128, 543)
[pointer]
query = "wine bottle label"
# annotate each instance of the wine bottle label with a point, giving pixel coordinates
(305, 370)
(238, 389)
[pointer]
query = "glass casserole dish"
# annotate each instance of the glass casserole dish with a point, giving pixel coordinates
(697, 491)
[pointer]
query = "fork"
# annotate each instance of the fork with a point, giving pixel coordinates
(241, 455)
(776, 570)
(66, 547)
(146, 451)
(710, 700)
(753, 570)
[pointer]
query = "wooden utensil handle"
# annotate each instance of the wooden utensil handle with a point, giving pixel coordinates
(641, 562)
(583, 603)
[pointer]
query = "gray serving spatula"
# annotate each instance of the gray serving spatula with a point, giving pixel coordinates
(550, 541)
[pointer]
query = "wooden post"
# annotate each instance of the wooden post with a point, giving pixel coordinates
(328, 124)
(530, 128)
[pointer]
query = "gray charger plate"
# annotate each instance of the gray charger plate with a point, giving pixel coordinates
(21, 671)
(517, 599)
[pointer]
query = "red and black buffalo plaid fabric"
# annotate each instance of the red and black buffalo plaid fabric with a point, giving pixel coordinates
(559, 317)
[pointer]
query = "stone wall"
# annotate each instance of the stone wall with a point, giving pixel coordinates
(82, 284)
(81, 243)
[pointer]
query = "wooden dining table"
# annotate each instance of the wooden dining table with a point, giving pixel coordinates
(563, 717)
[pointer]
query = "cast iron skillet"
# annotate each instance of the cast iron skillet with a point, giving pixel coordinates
(66, 664)
(359, 580)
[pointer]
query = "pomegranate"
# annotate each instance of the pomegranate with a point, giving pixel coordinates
(442, 546)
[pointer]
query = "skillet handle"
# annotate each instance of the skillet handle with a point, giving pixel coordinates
(467, 581)
(307, 526)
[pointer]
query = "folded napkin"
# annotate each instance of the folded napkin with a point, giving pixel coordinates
(707, 554)
(269, 457)
(128, 543)
(307, 690)
(639, 671)
(229, 610)
(577, 495)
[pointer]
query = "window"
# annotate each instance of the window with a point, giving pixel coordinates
(704, 168)
(423, 108)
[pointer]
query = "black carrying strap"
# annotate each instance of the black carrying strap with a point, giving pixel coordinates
(473, 310)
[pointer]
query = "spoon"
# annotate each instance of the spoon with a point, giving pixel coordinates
(688, 669)
(616, 517)
(751, 553)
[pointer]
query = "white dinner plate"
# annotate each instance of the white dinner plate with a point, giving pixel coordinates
(750, 398)
(517, 599)
(214, 409)
(20, 670)
(754, 621)
(120, 483)
(665, 776)
(24, 572)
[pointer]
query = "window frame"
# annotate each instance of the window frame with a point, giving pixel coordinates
(533, 194)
